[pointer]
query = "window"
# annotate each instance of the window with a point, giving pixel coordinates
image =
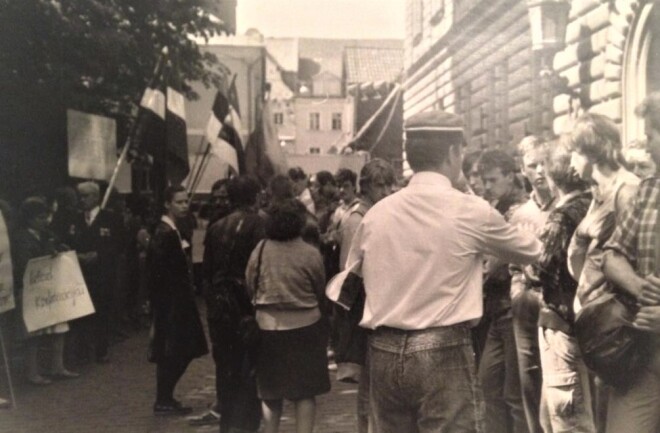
(437, 11)
(336, 121)
(278, 118)
(314, 121)
(315, 150)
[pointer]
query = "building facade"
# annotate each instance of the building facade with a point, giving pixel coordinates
(475, 58)
(308, 78)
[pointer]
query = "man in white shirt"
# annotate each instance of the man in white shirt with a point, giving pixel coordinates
(420, 252)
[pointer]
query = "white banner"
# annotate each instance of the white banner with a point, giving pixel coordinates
(6, 271)
(92, 145)
(54, 291)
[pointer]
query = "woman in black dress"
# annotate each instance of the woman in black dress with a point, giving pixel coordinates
(177, 334)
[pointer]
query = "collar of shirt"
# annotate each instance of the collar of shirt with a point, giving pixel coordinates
(167, 220)
(566, 198)
(544, 207)
(430, 178)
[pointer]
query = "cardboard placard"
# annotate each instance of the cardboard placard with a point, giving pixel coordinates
(54, 291)
(92, 145)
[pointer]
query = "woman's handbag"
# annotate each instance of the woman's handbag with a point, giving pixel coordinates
(611, 347)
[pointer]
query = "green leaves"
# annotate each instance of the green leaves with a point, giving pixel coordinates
(98, 55)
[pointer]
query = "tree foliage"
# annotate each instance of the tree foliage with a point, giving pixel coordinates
(98, 55)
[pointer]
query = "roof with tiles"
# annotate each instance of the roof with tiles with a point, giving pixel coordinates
(366, 64)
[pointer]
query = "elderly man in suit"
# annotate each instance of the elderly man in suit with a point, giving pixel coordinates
(95, 235)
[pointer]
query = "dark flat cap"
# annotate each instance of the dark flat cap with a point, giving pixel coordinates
(434, 121)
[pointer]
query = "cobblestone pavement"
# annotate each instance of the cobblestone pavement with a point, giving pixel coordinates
(118, 397)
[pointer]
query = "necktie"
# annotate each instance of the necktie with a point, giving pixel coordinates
(88, 218)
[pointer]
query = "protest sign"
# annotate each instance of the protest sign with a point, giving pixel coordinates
(54, 291)
(92, 145)
(6, 272)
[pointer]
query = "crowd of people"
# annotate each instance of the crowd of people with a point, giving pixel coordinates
(110, 245)
(457, 291)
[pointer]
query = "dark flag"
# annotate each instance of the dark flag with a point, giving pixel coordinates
(161, 129)
(264, 157)
(178, 165)
(222, 129)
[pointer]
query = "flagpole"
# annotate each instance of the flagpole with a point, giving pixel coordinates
(195, 168)
(200, 170)
(124, 151)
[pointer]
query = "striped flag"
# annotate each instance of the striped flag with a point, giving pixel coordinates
(223, 126)
(161, 129)
(263, 153)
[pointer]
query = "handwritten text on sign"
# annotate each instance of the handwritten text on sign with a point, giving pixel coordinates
(54, 291)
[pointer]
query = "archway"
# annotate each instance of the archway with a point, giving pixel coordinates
(641, 67)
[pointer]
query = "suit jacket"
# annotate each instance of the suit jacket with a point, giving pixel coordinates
(103, 236)
(177, 328)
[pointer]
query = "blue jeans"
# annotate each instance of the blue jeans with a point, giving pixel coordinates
(638, 408)
(500, 379)
(566, 396)
(424, 381)
(525, 307)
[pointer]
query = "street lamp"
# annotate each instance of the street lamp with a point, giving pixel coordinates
(548, 21)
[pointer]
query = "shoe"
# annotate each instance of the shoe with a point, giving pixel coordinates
(39, 381)
(171, 408)
(5, 404)
(208, 418)
(64, 374)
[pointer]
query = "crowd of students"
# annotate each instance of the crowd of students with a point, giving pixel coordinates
(564, 222)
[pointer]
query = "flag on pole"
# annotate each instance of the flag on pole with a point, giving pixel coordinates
(161, 128)
(222, 129)
(264, 157)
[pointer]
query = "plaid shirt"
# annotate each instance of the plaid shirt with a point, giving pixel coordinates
(635, 236)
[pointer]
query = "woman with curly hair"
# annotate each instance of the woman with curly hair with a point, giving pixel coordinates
(286, 278)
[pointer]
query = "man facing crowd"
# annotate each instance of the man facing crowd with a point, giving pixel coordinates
(498, 366)
(525, 301)
(420, 253)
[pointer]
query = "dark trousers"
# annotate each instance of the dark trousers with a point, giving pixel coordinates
(525, 308)
(168, 373)
(236, 386)
(92, 332)
(500, 379)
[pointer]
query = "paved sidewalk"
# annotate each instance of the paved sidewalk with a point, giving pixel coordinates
(118, 397)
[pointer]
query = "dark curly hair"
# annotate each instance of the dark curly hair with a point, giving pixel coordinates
(286, 220)
(597, 137)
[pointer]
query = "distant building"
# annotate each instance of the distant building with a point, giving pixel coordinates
(475, 58)
(309, 78)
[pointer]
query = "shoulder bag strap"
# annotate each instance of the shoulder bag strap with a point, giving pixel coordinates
(258, 272)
